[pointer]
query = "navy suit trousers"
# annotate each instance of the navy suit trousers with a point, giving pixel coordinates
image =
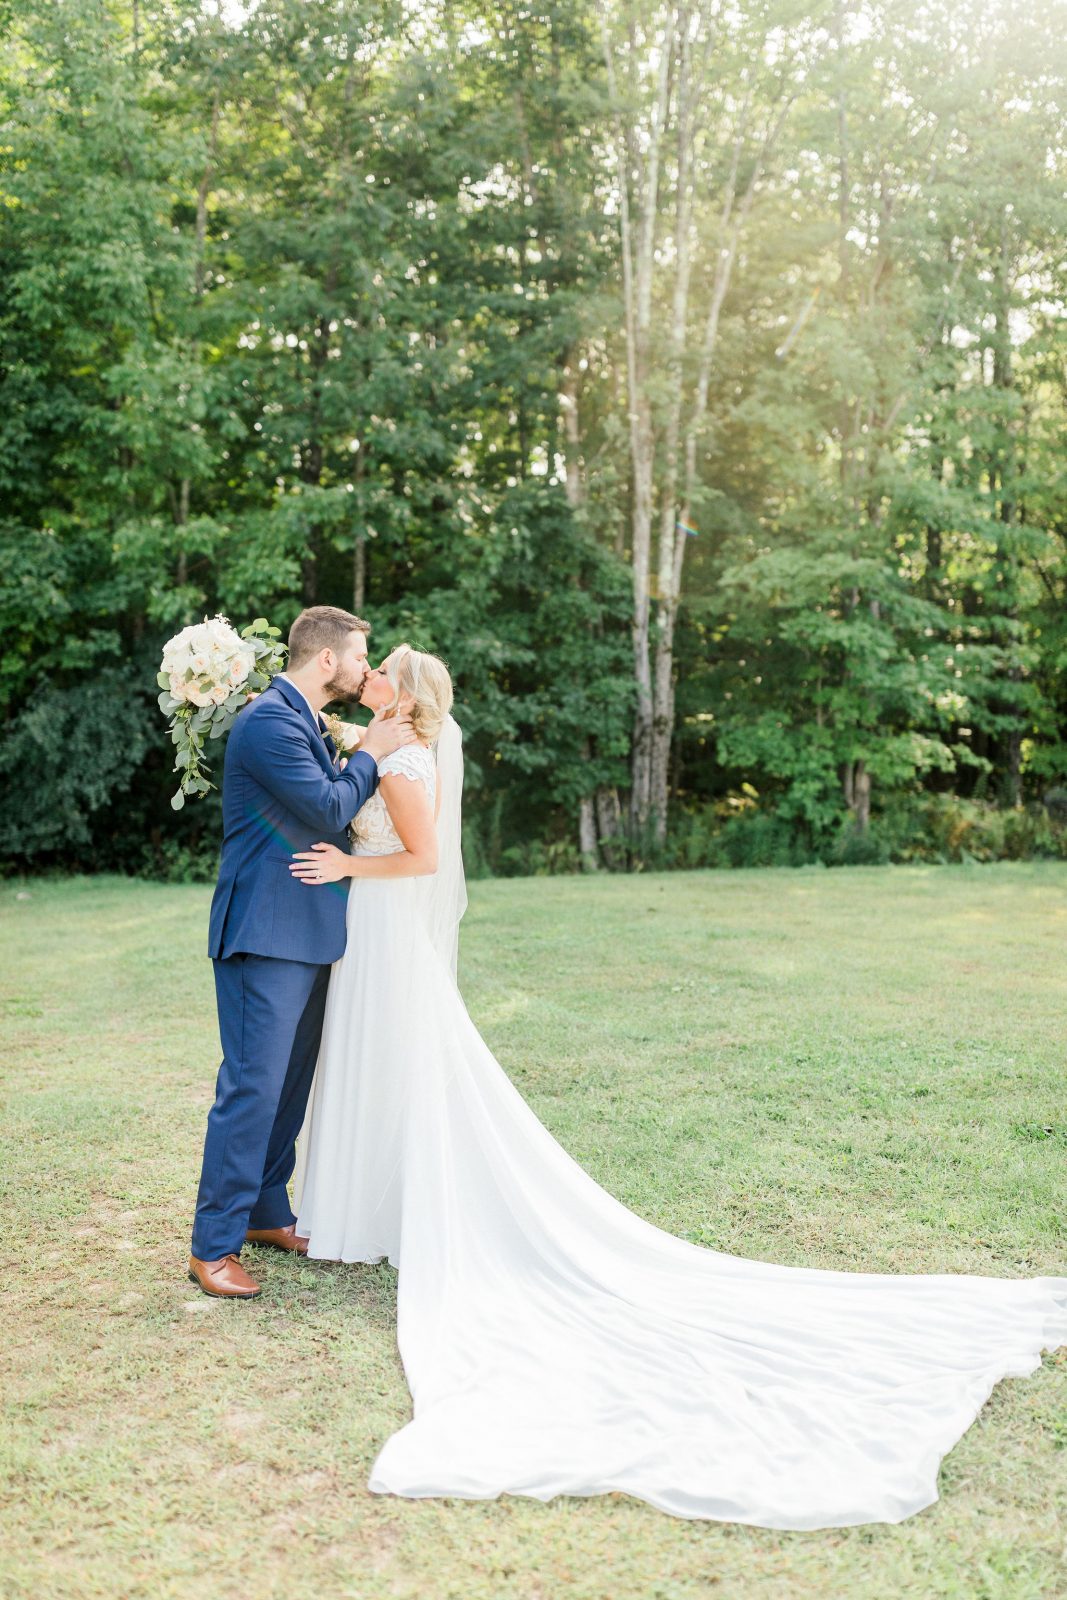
(270, 1022)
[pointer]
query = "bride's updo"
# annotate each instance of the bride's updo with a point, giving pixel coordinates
(425, 678)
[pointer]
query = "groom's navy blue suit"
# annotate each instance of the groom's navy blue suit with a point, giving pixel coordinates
(272, 940)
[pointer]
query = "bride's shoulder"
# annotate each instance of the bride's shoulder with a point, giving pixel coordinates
(410, 761)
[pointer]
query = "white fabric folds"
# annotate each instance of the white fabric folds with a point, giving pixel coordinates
(556, 1343)
(443, 896)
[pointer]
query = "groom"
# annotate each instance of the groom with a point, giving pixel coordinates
(272, 942)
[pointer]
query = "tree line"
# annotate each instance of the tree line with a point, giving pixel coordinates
(690, 376)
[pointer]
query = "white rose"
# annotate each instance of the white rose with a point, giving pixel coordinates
(178, 644)
(220, 633)
(175, 660)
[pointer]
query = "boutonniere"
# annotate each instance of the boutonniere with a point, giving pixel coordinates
(345, 735)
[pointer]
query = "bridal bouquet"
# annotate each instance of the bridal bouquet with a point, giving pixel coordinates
(209, 672)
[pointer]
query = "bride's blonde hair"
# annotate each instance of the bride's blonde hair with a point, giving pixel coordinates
(425, 678)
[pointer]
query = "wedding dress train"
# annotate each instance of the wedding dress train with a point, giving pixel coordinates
(556, 1343)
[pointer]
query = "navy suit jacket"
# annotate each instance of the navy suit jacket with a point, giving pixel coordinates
(281, 793)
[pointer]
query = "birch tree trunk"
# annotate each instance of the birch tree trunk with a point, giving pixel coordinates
(574, 488)
(598, 812)
(180, 500)
(664, 182)
(638, 243)
(677, 519)
(359, 539)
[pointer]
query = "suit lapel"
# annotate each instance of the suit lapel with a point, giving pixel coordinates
(324, 745)
(292, 697)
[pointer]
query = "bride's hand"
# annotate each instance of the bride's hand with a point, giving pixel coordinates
(323, 863)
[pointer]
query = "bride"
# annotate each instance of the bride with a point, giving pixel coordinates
(553, 1341)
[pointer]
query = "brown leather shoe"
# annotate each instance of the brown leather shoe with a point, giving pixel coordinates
(225, 1278)
(278, 1238)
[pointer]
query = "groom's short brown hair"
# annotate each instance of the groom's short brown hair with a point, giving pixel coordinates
(321, 628)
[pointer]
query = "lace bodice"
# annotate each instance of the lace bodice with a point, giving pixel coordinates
(371, 830)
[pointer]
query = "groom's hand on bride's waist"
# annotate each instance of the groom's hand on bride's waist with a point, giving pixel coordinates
(386, 734)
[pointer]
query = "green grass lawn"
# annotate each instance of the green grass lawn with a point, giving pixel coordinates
(859, 1069)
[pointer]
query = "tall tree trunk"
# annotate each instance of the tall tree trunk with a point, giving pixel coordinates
(862, 779)
(587, 826)
(609, 825)
(843, 216)
(359, 537)
(663, 716)
(676, 520)
(1002, 485)
(202, 193)
(574, 487)
(312, 451)
(638, 239)
(180, 502)
(662, 728)
(679, 111)
(359, 570)
(598, 816)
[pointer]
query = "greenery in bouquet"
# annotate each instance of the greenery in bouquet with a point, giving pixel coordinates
(209, 672)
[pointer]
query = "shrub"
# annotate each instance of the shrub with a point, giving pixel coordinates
(854, 848)
(66, 760)
(934, 828)
(948, 828)
(538, 858)
(721, 835)
(172, 861)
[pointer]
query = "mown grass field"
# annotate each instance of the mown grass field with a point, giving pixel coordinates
(860, 1069)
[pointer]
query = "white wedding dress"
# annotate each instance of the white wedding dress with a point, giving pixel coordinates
(556, 1343)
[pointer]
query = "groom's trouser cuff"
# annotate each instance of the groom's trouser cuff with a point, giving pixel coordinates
(272, 1209)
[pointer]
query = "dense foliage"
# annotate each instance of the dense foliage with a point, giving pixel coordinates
(690, 376)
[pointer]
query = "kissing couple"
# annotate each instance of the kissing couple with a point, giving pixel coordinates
(553, 1341)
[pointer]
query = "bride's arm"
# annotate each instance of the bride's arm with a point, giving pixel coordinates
(409, 807)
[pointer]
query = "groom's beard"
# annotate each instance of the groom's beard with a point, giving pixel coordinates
(345, 687)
